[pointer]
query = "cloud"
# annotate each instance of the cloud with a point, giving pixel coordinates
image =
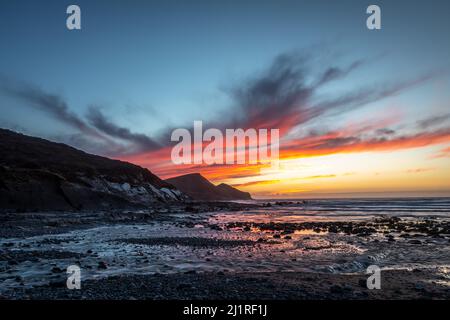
(88, 144)
(254, 183)
(96, 134)
(385, 132)
(419, 170)
(52, 104)
(444, 153)
(141, 142)
(287, 94)
(334, 73)
(433, 121)
(335, 142)
(280, 96)
(284, 95)
(321, 176)
(363, 96)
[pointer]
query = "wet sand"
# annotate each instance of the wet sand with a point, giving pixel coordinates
(222, 251)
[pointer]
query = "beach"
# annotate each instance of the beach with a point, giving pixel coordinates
(316, 249)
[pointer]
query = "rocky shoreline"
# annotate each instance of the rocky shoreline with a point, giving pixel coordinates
(27, 224)
(398, 284)
(141, 255)
(386, 225)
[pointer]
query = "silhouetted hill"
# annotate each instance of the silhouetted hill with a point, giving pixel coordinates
(199, 188)
(232, 192)
(37, 174)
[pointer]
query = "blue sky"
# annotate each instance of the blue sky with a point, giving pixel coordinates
(365, 111)
(138, 69)
(151, 62)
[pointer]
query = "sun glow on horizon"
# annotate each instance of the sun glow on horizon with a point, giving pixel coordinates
(401, 171)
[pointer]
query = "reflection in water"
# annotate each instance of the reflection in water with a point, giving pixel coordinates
(269, 250)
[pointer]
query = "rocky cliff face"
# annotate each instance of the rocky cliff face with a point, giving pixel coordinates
(199, 188)
(36, 174)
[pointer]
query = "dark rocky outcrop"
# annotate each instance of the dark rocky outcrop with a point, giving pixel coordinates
(36, 174)
(199, 188)
(232, 193)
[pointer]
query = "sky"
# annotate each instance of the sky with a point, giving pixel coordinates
(360, 112)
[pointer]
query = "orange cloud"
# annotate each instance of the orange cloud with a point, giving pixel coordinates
(321, 176)
(419, 170)
(444, 153)
(329, 143)
(335, 142)
(254, 183)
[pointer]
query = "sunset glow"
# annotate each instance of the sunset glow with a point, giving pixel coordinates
(359, 112)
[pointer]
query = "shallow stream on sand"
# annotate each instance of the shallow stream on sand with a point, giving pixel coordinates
(167, 247)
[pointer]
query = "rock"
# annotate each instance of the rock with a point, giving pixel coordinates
(333, 229)
(190, 272)
(390, 238)
(102, 265)
(340, 289)
(362, 283)
(336, 289)
(57, 270)
(415, 241)
(183, 286)
(199, 188)
(419, 287)
(57, 284)
(40, 175)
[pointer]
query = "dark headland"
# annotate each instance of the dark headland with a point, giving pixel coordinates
(199, 188)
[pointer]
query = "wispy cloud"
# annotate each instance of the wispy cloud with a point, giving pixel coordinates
(141, 142)
(254, 183)
(95, 133)
(419, 170)
(321, 176)
(284, 95)
(281, 96)
(444, 153)
(51, 104)
(336, 142)
(434, 121)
